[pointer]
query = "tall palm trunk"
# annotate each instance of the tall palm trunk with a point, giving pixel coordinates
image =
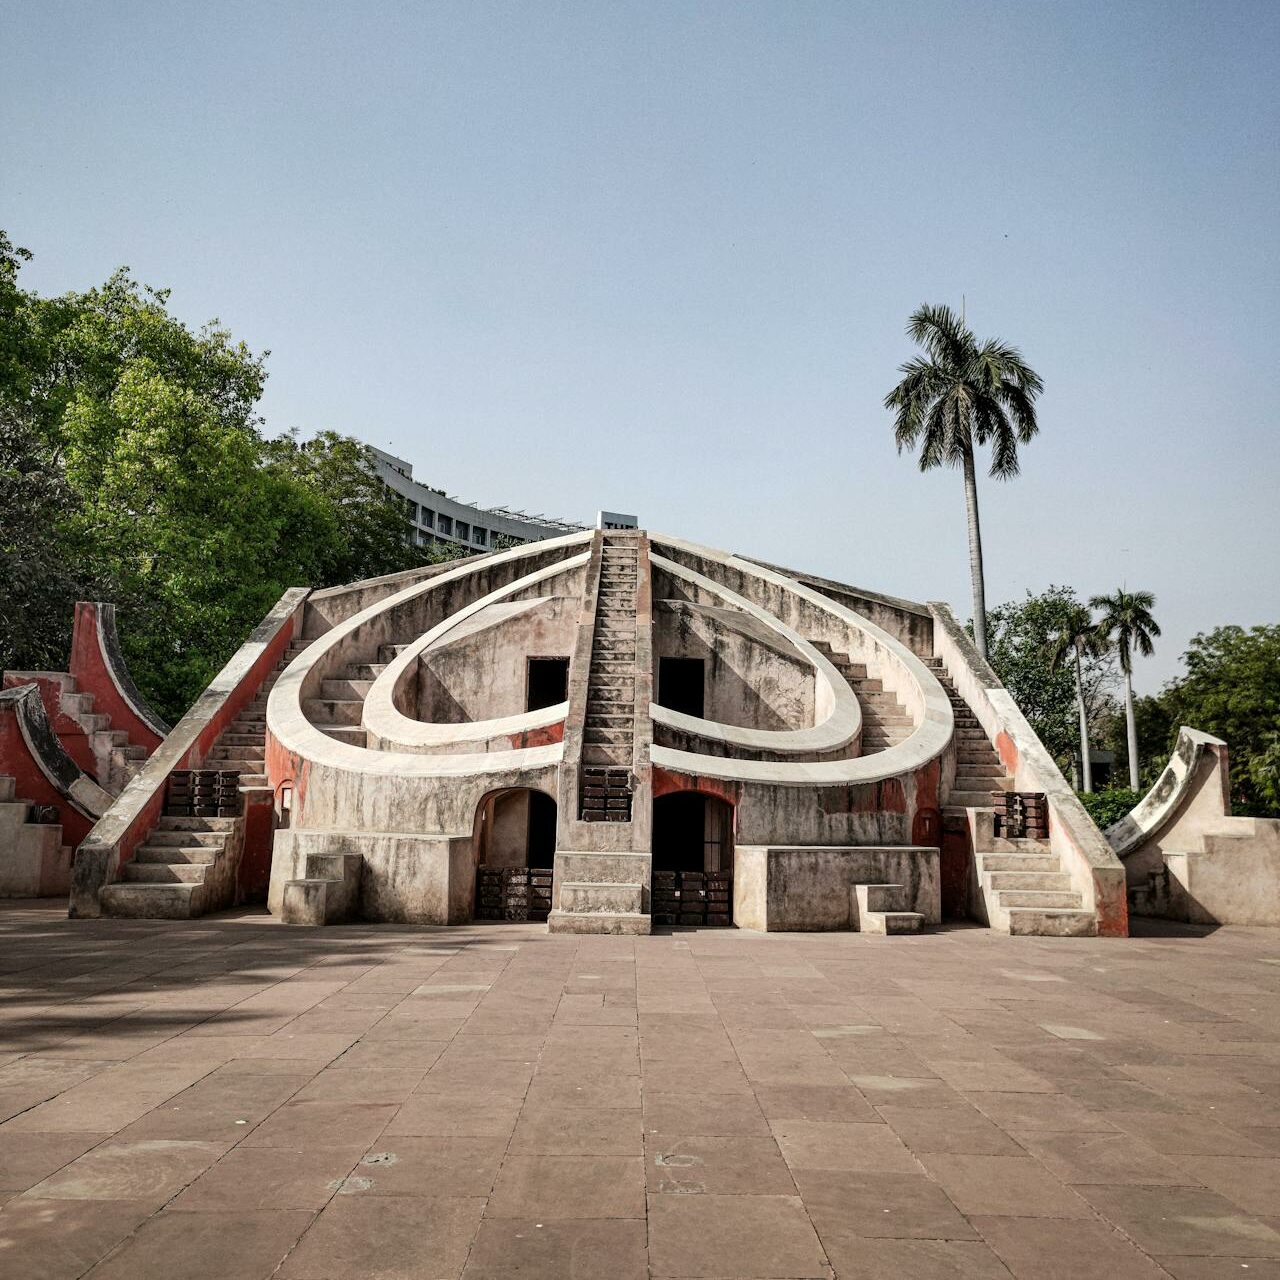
(1131, 727)
(1086, 765)
(975, 556)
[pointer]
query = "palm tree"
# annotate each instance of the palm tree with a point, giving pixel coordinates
(1127, 622)
(1079, 636)
(956, 395)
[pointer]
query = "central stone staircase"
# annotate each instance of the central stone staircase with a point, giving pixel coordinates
(885, 721)
(242, 745)
(186, 867)
(598, 891)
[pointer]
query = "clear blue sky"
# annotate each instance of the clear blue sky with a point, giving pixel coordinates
(658, 257)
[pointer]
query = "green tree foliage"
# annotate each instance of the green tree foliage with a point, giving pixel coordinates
(1022, 634)
(140, 453)
(1232, 690)
(1107, 807)
(958, 395)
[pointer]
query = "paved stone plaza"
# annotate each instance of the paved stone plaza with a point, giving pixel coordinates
(229, 1098)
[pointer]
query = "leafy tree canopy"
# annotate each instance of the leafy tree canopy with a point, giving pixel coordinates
(1022, 635)
(132, 455)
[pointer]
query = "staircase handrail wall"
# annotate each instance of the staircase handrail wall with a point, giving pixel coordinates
(129, 821)
(1096, 873)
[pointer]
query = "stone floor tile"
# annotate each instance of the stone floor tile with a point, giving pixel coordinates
(861, 1148)
(436, 1166)
(799, 1102)
(614, 1093)
(390, 1055)
(275, 1177)
(1111, 1158)
(702, 1115)
(62, 1239)
(321, 1124)
(544, 1187)
(1041, 1112)
(441, 1115)
(559, 1249)
(1064, 1249)
(860, 1259)
(373, 1085)
(1252, 1183)
(1189, 1268)
(910, 1091)
(1178, 1220)
(26, 1158)
(387, 1238)
(1186, 1135)
(1003, 1185)
(991, 1076)
(240, 1245)
(502, 1078)
(567, 1131)
(739, 1236)
(957, 1130)
(150, 1171)
(896, 1205)
(716, 1166)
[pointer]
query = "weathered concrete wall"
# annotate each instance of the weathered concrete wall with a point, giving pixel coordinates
(484, 674)
(507, 836)
(407, 879)
(802, 889)
(750, 679)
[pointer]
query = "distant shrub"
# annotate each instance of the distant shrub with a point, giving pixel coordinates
(1108, 807)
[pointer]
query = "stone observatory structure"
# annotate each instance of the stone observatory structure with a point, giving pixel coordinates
(610, 729)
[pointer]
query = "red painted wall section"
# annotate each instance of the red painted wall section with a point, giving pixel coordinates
(92, 671)
(30, 783)
(254, 873)
(1007, 750)
(667, 781)
(75, 742)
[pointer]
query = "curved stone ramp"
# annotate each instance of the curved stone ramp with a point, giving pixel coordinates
(1186, 857)
(791, 606)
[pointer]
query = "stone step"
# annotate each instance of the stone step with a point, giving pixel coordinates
(892, 922)
(322, 711)
(388, 653)
(976, 782)
(972, 767)
(970, 800)
(621, 692)
(598, 922)
(232, 739)
(602, 736)
(602, 753)
(605, 720)
(153, 901)
(1046, 922)
(1061, 899)
(162, 853)
(339, 690)
(611, 898)
(365, 670)
(8, 789)
(998, 881)
(164, 872)
(1019, 844)
(345, 733)
(1029, 861)
(879, 897)
(161, 836)
(176, 822)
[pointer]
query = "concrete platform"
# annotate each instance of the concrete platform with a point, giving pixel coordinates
(233, 1097)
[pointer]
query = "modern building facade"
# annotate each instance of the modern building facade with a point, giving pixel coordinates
(434, 516)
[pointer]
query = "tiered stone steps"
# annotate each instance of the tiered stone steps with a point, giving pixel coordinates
(183, 869)
(242, 744)
(339, 709)
(1023, 885)
(116, 760)
(885, 721)
(979, 770)
(609, 730)
(882, 908)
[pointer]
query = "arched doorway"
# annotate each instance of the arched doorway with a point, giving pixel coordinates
(515, 845)
(692, 855)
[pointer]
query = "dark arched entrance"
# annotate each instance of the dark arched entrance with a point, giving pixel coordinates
(515, 846)
(692, 859)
